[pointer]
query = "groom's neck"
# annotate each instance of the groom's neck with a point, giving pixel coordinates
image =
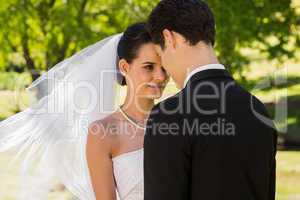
(198, 56)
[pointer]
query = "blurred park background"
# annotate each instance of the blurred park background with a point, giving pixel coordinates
(257, 40)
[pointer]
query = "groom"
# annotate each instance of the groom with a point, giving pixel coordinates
(213, 139)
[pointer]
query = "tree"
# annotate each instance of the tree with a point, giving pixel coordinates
(37, 34)
(40, 33)
(269, 27)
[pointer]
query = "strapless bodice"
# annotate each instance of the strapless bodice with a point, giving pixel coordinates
(129, 175)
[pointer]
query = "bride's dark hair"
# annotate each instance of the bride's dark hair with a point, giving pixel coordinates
(133, 38)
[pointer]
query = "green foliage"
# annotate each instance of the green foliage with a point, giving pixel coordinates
(267, 26)
(14, 80)
(37, 34)
(40, 33)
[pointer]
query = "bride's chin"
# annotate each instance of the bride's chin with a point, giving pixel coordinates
(154, 96)
(153, 93)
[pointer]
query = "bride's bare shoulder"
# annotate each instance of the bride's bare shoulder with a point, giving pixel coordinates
(106, 126)
(100, 138)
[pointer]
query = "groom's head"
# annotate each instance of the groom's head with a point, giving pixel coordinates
(176, 25)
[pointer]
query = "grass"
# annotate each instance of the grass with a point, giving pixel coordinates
(288, 179)
(288, 176)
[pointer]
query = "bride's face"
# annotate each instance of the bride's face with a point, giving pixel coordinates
(145, 75)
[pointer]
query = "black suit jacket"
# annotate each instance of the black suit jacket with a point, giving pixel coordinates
(211, 141)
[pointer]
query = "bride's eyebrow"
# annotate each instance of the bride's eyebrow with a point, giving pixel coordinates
(148, 63)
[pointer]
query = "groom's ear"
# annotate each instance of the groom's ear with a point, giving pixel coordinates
(169, 38)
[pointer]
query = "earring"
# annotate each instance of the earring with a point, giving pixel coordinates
(123, 73)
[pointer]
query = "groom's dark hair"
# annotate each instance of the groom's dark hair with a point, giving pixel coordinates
(193, 19)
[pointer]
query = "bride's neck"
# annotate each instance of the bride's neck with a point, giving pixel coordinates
(137, 107)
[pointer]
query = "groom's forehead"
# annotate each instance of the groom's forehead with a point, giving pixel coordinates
(158, 48)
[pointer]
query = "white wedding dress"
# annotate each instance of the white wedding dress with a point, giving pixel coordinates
(129, 175)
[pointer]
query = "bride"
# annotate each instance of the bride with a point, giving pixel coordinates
(73, 131)
(115, 143)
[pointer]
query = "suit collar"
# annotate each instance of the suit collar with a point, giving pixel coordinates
(202, 68)
(208, 74)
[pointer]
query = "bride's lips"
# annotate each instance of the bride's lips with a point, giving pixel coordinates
(155, 86)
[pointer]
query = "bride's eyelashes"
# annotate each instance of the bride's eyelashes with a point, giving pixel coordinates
(149, 67)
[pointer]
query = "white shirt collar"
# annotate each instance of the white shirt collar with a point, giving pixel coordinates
(201, 68)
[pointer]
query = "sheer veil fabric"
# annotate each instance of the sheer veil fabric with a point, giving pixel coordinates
(50, 135)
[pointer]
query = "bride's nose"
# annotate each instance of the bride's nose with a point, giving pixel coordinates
(160, 75)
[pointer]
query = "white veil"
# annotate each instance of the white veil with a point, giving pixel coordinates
(52, 132)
